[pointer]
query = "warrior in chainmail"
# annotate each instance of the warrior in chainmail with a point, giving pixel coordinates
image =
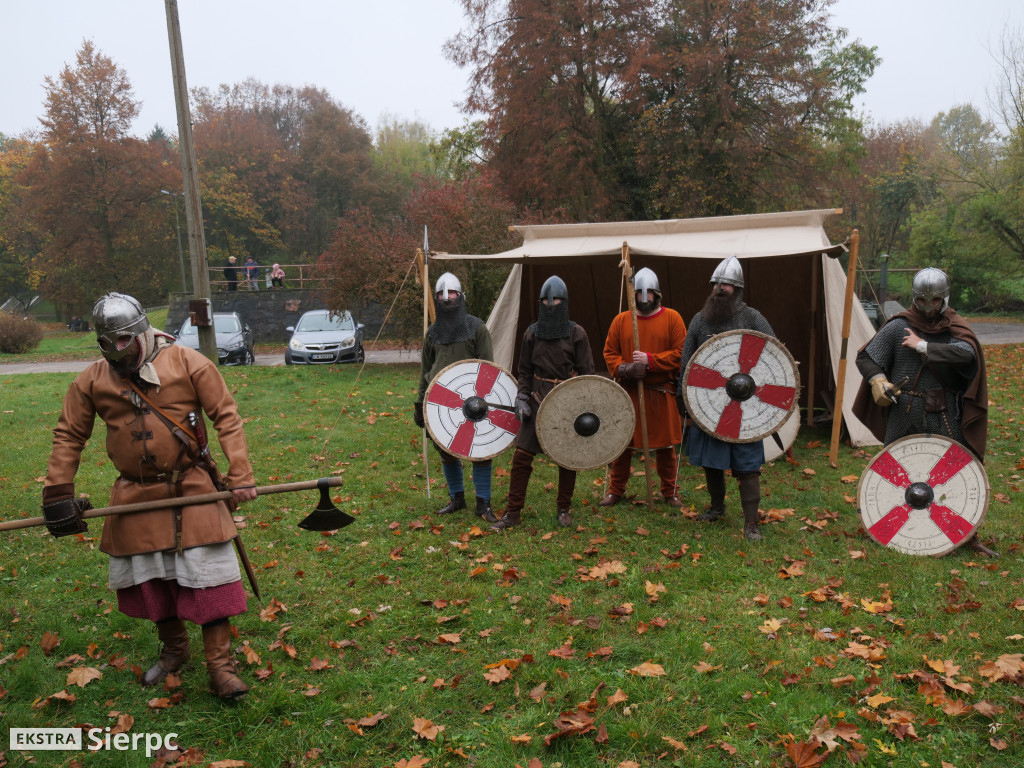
(554, 349)
(724, 310)
(924, 373)
(455, 336)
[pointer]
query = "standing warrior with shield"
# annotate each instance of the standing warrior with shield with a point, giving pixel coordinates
(654, 367)
(724, 310)
(455, 336)
(554, 350)
(171, 564)
(939, 369)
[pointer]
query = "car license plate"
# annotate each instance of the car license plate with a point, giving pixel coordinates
(322, 356)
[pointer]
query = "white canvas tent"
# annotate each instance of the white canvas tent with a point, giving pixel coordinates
(790, 269)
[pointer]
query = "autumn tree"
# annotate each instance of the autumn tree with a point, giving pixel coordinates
(745, 104)
(91, 191)
(278, 166)
(975, 225)
(549, 75)
(17, 242)
(370, 256)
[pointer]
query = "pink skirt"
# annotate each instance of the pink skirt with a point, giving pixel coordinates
(159, 599)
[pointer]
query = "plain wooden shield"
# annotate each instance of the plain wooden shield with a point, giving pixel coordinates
(923, 495)
(585, 422)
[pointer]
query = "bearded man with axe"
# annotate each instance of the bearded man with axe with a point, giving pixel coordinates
(175, 563)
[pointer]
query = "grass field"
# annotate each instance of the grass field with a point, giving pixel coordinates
(634, 638)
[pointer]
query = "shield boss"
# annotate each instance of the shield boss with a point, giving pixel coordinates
(923, 495)
(741, 386)
(469, 409)
(585, 422)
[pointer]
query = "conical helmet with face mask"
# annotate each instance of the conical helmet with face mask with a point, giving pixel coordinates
(930, 284)
(553, 317)
(119, 320)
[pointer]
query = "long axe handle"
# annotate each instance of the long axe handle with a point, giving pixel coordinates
(181, 501)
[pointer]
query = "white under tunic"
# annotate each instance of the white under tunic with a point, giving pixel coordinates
(197, 567)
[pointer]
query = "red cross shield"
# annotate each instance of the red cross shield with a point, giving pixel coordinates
(469, 409)
(741, 386)
(923, 495)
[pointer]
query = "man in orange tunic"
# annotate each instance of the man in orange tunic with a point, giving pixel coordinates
(654, 366)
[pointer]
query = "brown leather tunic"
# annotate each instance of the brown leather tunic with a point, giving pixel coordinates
(140, 446)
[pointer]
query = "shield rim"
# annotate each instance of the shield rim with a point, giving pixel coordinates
(953, 547)
(426, 399)
(626, 442)
(795, 405)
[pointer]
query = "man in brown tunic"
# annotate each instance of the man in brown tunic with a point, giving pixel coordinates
(554, 349)
(167, 565)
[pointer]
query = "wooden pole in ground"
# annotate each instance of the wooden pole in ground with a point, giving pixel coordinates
(837, 411)
(627, 271)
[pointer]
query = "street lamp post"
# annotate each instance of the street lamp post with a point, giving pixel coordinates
(177, 233)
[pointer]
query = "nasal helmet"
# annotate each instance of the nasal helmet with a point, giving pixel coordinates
(116, 315)
(728, 272)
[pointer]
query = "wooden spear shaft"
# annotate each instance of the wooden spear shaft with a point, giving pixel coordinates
(627, 271)
(428, 305)
(837, 412)
(181, 501)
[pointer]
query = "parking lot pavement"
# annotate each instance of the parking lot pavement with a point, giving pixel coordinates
(76, 366)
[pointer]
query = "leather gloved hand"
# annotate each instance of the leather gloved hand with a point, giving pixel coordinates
(523, 409)
(417, 415)
(632, 371)
(64, 516)
(879, 393)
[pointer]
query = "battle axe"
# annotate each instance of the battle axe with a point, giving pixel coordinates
(326, 516)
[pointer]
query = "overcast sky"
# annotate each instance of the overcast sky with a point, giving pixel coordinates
(383, 57)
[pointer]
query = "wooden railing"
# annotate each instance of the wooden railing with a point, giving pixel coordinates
(306, 277)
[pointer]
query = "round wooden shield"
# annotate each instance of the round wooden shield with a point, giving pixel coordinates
(787, 434)
(470, 409)
(923, 495)
(741, 386)
(585, 422)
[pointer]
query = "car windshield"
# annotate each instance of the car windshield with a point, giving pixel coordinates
(221, 324)
(325, 322)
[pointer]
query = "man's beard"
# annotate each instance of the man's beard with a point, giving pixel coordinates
(719, 308)
(647, 307)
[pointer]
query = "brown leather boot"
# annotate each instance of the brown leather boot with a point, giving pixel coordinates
(610, 500)
(564, 518)
(173, 653)
(510, 519)
(220, 663)
(750, 499)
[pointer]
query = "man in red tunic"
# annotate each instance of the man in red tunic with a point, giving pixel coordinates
(654, 366)
(173, 564)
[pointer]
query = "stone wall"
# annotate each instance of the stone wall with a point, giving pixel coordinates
(268, 313)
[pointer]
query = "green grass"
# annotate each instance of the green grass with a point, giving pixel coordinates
(747, 654)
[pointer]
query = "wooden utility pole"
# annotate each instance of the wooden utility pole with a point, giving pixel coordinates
(192, 203)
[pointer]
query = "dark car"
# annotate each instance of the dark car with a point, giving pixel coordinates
(235, 344)
(322, 336)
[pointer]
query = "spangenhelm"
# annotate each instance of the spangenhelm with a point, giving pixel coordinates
(554, 288)
(729, 272)
(116, 315)
(553, 318)
(445, 283)
(930, 283)
(646, 280)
